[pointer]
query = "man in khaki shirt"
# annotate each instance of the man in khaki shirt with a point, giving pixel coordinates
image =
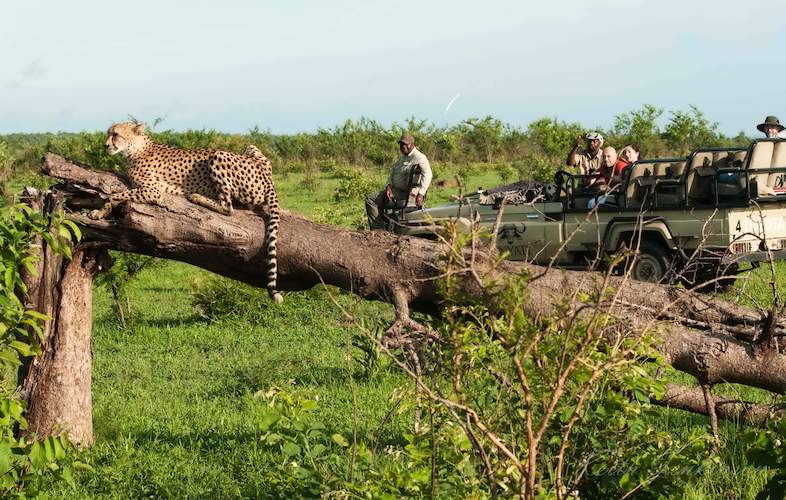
(588, 160)
(398, 192)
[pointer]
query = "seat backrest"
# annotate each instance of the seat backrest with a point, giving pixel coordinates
(777, 180)
(699, 187)
(661, 169)
(721, 161)
(678, 168)
(701, 175)
(761, 158)
(701, 159)
(634, 193)
(720, 158)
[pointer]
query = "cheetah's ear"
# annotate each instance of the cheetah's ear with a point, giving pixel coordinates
(139, 128)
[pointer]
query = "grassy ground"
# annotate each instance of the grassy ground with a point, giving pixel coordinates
(175, 411)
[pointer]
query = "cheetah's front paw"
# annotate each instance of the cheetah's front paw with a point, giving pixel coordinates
(98, 213)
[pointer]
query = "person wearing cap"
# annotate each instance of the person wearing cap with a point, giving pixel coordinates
(771, 127)
(589, 159)
(398, 188)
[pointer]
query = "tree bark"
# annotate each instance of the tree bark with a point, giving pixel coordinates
(745, 412)
(57, 384)
(711, 339)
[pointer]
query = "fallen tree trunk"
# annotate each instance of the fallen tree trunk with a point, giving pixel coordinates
(692, 399)
(703, 336)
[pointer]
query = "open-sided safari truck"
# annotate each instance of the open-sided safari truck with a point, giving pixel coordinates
(697, 217)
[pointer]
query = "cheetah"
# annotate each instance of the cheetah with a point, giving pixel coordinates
(207, 177)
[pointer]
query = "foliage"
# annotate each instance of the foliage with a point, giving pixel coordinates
(535, 166)
(347, 214)
(368, 144)
(499, 374)
(25, 460)
(125, 267)
(302, 443)
(546, 406)
(640, 127)
(353, 184)
(506, 171)
(765, 448)
(554, 138)
(5, 172)
(311, 454)
(685, 129)
(217, 298)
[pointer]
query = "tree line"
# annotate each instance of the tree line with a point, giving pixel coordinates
(367, 143)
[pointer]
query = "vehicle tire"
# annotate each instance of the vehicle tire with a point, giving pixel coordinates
(652, 264)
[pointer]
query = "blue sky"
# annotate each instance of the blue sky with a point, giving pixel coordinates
(298, 65)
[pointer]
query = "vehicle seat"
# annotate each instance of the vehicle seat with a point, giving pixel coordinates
(701, 176)
(777, 180)
(635, 189)
(669, 188)
(730, 185)
(761, 158)
(407, 203)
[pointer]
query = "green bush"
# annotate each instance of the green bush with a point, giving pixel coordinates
(25, 460)
(312, 454)
(125, 268)
(765, 448)
(218, 298)
(353, 184)
(368, 144)
(347, 214)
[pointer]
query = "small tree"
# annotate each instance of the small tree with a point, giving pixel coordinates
(689, 130)
(640, 127)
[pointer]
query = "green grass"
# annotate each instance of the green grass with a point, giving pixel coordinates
(297, 198)
(175, 411)
(174, 406)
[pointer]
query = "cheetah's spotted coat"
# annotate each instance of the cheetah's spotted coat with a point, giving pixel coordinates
(207, 177)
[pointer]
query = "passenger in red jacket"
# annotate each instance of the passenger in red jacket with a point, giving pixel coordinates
(611, 170)
(612, 166)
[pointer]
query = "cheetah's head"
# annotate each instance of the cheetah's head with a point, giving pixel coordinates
(127, 138)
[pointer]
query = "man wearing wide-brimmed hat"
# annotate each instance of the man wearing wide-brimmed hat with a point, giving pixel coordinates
(399, 191)
(589, 159)
(771, 127)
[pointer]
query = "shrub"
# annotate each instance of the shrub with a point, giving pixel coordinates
(366, 143)
(26, 460)
(218, 298)
(538, 167)
(354, 184)
(570, 379)
(125, 268)
(350, 214)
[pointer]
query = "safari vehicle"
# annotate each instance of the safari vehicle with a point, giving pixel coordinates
(696, 218)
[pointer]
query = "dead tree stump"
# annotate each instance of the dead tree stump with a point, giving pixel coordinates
(56, 385)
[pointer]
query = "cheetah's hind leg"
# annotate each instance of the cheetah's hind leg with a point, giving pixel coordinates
(208, 203)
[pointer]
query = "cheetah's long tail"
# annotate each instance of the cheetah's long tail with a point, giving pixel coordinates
(272, 237)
